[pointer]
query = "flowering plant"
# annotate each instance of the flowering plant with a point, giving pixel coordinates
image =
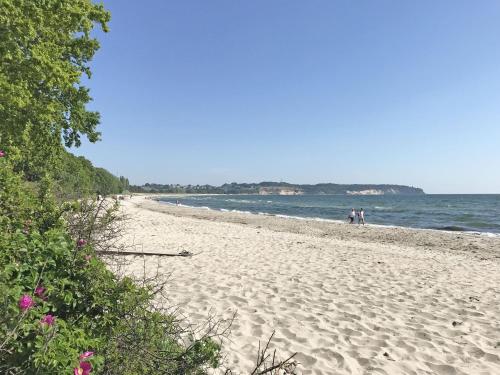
(64, 312)
(26, 302)
(48, 320)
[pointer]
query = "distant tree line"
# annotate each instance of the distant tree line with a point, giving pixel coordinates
(77, 177)
(255, 188)
(175, 188)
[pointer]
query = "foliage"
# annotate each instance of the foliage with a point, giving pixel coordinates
(58, 300)
(105, 183)
(22, 205)
(77, 177)
(189, 189)
(45, 48)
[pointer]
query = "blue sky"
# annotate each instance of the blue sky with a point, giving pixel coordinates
(199, 92)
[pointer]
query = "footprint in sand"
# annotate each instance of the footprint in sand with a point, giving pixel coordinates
(257, 319)
(305, 360)
(336, 360)
(256, 330)
(443, 369)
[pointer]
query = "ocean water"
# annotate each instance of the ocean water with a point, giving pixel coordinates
(475, 213)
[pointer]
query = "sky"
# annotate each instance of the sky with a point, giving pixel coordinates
(208, 92)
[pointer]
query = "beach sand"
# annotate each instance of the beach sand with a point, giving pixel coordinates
(348, 299)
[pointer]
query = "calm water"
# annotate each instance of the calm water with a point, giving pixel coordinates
(478, 213)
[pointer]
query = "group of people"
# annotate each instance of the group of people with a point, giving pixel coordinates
(360, 214)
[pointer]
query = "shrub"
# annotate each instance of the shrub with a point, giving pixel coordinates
(58, 300)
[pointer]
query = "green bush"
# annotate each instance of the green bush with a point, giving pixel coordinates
(58, 300)
(76, 176)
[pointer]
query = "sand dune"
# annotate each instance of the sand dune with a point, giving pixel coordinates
(349, 300)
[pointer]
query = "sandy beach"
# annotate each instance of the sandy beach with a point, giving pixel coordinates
(348, 299)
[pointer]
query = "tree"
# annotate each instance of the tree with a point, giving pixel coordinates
(45, 48)
(125, 183)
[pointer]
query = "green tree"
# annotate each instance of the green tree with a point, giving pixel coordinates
(75, 177)
(125, 183)
(105, 183)
(45, 48)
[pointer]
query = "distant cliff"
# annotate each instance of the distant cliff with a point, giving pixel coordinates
(282, 188)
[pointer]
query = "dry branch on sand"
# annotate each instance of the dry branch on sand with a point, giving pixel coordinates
(267, 363)
(183, 253)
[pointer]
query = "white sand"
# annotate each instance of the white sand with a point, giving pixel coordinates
(348, 299)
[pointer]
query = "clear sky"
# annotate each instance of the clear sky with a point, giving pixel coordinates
(404, 92)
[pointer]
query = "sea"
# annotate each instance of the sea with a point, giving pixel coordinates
(465, 213)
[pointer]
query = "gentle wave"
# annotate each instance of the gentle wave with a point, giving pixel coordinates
(319, 219)
(453, 228)
(471, 214)
(240, 201)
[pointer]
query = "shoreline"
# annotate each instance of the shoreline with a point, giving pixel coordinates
(158, 197)
(319, 219)
(479, 245)
(348, 299)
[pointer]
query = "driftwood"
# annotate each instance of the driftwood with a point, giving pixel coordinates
(183, 253)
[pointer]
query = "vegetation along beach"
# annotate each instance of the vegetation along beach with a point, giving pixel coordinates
(249, 187)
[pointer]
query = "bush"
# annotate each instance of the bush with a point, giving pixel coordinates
(59, 301)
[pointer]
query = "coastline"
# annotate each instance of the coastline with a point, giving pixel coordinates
(349, 299)
(452, 227)
(337, 229)
(318, 219)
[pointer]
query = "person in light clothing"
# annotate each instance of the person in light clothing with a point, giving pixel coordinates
(352, 216)
(361, 217)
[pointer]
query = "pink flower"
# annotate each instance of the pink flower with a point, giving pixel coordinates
(83, 369)
(2, 153)
(88, 258)
(81, 242)
(26, 302)
(86, 355)
(40, 291)
(48, 319)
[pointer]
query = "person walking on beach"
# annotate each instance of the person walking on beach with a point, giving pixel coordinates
(352, 216)
(361, 217)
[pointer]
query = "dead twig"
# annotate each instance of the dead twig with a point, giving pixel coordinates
(135, 253)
